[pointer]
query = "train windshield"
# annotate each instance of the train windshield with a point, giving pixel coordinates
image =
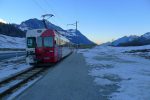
(48, 41)
(31, 42)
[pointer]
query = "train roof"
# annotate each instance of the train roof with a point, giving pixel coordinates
(31, 33)
(62, 37)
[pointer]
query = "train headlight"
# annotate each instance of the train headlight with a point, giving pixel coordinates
(51, 51)
(46, 58)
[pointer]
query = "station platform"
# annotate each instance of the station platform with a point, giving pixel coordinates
(68, 80)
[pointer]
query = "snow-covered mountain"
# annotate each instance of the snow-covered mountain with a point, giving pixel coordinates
(12, 42)
(71, 34)
(133, 40)
(146, 35)
(75, 36)
(35, 24)
(124, 39)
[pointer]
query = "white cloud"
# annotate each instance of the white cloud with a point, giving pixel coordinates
(3, 21)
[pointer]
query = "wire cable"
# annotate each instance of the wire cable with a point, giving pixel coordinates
(54, 12)
(39, 6)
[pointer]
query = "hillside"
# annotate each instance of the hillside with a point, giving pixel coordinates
(12, 42)
(76, 37)
(11, 30)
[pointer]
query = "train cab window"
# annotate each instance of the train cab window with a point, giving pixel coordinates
(39, 42)
(48, 41)
(31, 42)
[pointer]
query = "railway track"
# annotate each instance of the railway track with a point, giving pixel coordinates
(15, 82)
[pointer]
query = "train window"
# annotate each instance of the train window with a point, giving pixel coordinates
(48, 41)
(56, 41)
(31, 42)
(39, 41)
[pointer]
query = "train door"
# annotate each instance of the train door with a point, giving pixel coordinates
(58, 47)
(30, 49)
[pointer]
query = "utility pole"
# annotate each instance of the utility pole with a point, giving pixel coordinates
(77, 35)
(76, 25)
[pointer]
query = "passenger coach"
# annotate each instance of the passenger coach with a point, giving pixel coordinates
(46, 46)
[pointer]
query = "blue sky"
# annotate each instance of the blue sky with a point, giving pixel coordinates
(99, 20)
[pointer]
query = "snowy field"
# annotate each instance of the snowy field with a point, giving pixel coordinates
(12, 66)
(120, 75)
(12, 42)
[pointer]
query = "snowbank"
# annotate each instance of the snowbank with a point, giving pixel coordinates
(111, 67)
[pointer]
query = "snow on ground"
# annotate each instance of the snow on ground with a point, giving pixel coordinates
(121, 76)
(12, 66)
(11, 42)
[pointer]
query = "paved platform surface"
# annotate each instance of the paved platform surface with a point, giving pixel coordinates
(69, 80)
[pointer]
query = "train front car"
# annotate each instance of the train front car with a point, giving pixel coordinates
(51, 47)
(46, 51)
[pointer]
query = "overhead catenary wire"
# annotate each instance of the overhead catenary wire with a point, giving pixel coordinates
(53, 12)
(39, 6)
(47, 11)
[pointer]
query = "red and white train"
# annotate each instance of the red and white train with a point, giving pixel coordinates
(46, 46)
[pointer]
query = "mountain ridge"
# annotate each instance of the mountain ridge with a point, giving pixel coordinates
(132, 40)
